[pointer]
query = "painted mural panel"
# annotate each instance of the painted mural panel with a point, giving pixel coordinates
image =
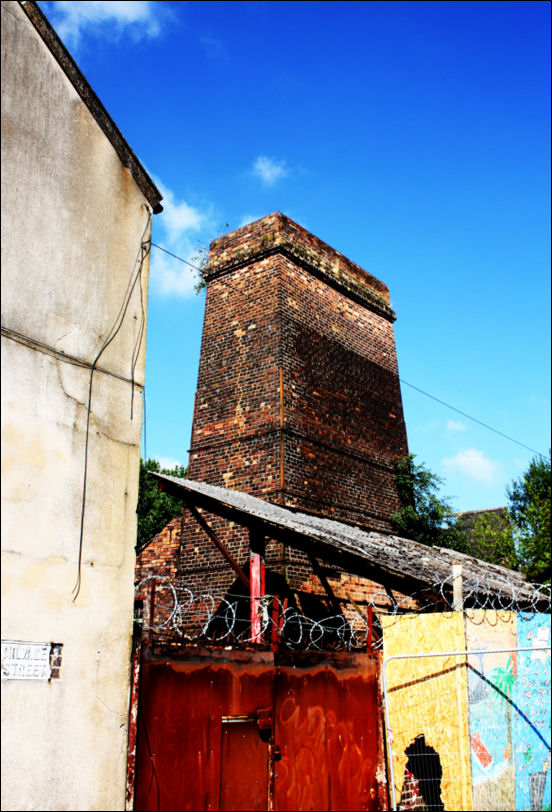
(491, 678)
(428, 711)
(531, 720)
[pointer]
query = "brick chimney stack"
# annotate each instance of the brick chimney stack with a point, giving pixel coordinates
(298, 397)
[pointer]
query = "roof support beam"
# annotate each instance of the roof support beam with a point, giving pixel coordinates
(299, 540)
(218, 544)
(399, 563)
(317, 569)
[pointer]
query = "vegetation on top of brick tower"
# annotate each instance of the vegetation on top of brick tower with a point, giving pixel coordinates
(519, 538)
(201, 261)
(155, 508)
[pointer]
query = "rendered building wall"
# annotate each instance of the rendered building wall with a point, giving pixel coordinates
(73, 220)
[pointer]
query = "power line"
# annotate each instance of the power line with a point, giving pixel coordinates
(438, 400)
(475, 420)
(180, 259)
(200, 271)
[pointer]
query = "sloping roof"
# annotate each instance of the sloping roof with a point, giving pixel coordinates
(83, 88)
(397, 562)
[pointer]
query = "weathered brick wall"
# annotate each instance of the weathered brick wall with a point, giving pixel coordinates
(159, 558)
(237, 398)
(344, 425)
(298, 398)
(298, 347)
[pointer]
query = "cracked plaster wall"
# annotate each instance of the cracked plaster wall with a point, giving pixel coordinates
(72, 224)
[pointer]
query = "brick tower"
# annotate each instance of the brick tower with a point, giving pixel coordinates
(298, 398)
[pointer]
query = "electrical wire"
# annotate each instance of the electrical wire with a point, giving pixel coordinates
(116, 326)
(145, 412)
(60, 355)
(145, 249)
(421, 391)
(475, 420)
(199, 270)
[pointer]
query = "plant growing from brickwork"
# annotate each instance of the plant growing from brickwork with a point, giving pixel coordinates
(155, 508)
(201, 261)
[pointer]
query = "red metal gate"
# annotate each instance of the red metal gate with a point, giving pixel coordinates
(232, 730)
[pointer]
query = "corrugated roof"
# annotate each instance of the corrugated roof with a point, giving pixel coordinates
(388, 559)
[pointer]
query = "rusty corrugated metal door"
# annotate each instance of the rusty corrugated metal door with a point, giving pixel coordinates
(243, 767)
(180, 763)
(211, 732)
(327, 730)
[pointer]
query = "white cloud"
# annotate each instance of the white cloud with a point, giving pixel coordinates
(176, 230)
(268, 170)
(139, 18)
(170, 277)
(249, 218)
(178, 216)
(475, 464)
(168, 462)
(455, 425)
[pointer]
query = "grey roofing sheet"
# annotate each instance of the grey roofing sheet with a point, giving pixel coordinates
(367, 550)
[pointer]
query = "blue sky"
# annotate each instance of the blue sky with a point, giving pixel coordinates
(413, 137)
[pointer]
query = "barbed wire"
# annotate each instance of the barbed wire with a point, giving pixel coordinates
(181, 616)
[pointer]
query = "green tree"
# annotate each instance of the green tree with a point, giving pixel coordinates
(492, 539)
(529, 511)
(519, 539)
(425, 516)
(155, 508)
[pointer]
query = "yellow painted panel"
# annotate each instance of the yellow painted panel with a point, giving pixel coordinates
(428, 696)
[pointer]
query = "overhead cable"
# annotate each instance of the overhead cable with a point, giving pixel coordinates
(438, 400)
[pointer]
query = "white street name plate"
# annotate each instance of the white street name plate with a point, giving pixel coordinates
(25, 660)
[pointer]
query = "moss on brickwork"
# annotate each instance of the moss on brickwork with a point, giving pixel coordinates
(278, 234)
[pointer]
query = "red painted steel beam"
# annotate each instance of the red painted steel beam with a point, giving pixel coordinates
(370, 635)
(256, 581)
